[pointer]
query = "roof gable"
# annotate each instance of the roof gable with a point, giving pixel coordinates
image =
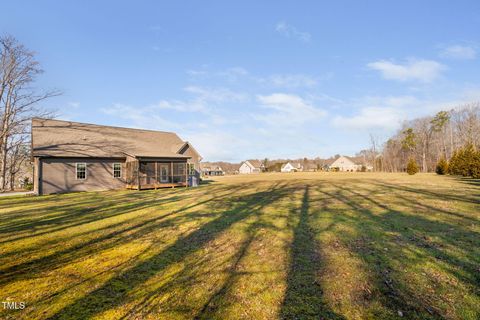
(255, 164)
(342, 161)
(187, 145)
(287, 164)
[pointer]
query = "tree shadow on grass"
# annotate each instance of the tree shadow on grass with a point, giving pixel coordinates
(112, 236)
(453, 196)
(473, 182)
(407, 235)
(90, 208)
(116, 291)
(303, 298)
(418, 229)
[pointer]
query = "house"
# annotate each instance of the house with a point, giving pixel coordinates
(311, 167)
(72, 156)
(344, 163)
(213, 171)
(291, 167)
(251, 166)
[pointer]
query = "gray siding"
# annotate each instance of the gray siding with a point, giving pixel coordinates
(195, 158)
(58, 175)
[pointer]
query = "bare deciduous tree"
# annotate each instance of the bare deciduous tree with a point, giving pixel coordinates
(18, 102)
(428, 139)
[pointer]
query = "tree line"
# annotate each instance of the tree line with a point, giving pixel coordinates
(19, 102)
(446, 138)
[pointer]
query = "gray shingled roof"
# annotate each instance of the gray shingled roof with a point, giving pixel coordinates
(255, 163)
(59, 138)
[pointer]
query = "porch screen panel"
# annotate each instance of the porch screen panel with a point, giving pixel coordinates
(150, 171)
(131, 172)
(179, 171)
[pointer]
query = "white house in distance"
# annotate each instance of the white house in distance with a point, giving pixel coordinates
(250, 166)
(213, 171)
(291, 167)
(344, 163)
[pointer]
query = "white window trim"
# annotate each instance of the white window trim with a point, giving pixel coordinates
(192, 167)
(76, 170)
(113, 168)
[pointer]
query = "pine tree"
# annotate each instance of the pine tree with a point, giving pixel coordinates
(442, 166)
(465, 162)
(412, 166)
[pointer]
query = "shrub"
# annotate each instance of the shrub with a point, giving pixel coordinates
(465, 162)
(453, 163)
(442, 166)
(29, 186)
(412, 166)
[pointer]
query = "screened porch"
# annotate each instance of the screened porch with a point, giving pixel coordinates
(146, 174)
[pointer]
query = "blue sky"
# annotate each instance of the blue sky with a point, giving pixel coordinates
(276, 79)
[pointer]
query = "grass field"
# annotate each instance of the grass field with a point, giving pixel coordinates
(268, 246)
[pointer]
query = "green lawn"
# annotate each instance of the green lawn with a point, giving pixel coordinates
(268, 246)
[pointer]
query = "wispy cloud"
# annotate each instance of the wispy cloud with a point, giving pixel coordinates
(371, 118)
(290, 31)
(412, 69)
(290, 80)
(217, 144)
(154, 115)
(141, 117)
(287, 110)
(387, 113)
(378, 112)
(459, 52)
(206, 94)
(230, 74)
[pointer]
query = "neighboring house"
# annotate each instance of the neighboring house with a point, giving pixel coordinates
(344, 163)
(213, 171)
(71, 156)
(291, 167)
(310, 167)
(250, 166)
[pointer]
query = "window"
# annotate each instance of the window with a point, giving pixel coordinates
(191, 169)
(81, 171)
(117, 170)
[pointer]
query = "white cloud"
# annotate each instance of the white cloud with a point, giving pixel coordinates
(152, 116)
(196, 73)
(377, 112)
(459, 52)
(233, 74)
(230, 74)
(288, 110)
(217, 144)
(215, 94)
(291, 80)
(290, 31)
(180, 106)
(145, 118)
(371, 118)
(412, 69)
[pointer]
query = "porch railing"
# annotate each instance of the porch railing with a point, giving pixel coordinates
(145, 180)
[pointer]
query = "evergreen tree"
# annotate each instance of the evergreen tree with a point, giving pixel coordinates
(465, 162)
(442, 166)
(412, 166)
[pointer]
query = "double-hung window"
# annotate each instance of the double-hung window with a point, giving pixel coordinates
(191, 169)
(81, 171)
(117, 170)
